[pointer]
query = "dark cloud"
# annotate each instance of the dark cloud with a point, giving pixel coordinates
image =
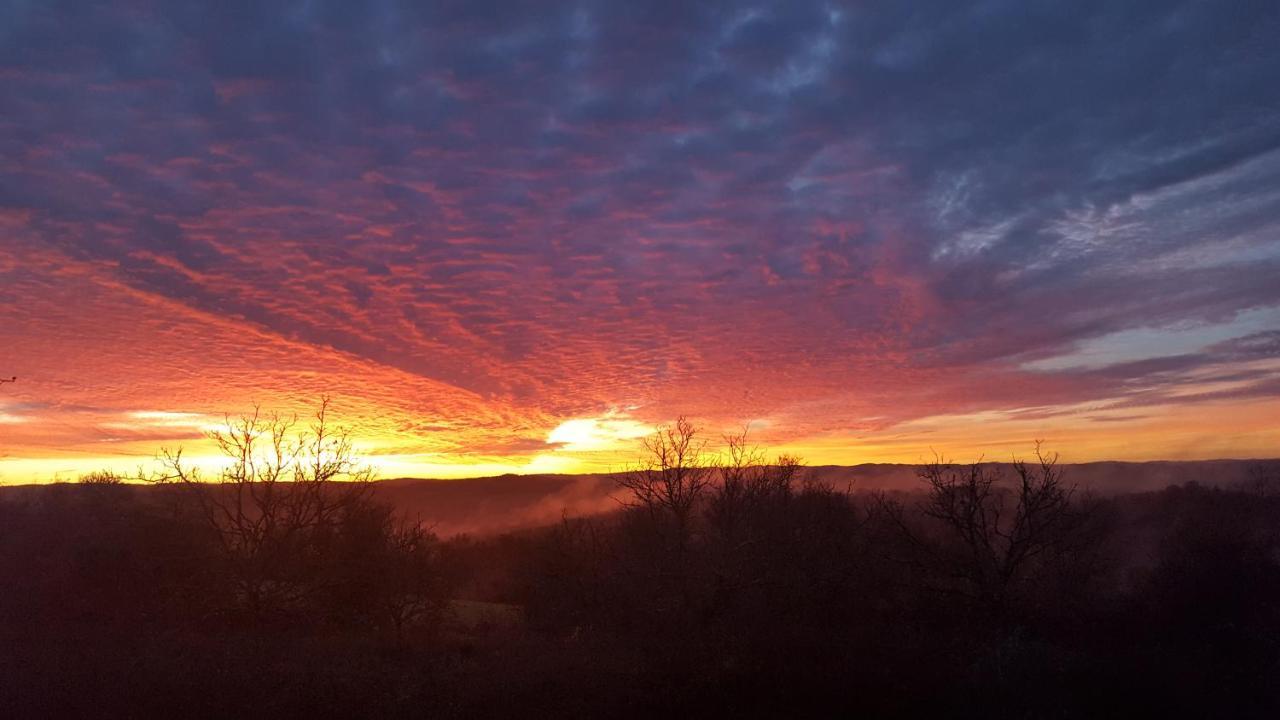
(583, 204)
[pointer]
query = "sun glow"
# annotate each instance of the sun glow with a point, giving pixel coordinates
(610, 431)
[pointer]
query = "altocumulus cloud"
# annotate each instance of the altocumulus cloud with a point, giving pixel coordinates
(518, 213)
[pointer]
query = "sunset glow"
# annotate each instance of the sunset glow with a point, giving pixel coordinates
(518, 246)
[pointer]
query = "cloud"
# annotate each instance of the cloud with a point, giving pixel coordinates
(497, 217)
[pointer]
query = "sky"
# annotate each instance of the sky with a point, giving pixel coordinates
(516, 236)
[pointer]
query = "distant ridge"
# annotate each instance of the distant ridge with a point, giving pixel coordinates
(500, 503)
(505, 502)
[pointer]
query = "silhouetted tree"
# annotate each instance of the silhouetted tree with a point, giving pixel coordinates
(383, 570)
(992, 537)
(573, 565)
(280, 487)
(752, 517)
(672, 474)
(748, 482)
(101, 477)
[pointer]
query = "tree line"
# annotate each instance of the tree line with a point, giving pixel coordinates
(727, 582)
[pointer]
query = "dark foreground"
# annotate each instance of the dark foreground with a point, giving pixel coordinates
(778, 598)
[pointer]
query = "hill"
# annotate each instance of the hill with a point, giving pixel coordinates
(506, 502)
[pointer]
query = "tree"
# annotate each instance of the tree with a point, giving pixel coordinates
(658, 557)
(101, 477)
(987, 549)
(755, 541)
(385, 571)
(281, 488)
(672, 474)
(749, 485)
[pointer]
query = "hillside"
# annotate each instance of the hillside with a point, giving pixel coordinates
(503, 502)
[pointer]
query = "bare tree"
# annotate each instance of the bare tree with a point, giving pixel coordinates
(666, 486)
(575, 561)
(748, 482)
(994, 535)
(672, 475)
(385, 570)
(280, 486)
(752, 516)
(101, 477)
(413, 590)
(739, 462)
